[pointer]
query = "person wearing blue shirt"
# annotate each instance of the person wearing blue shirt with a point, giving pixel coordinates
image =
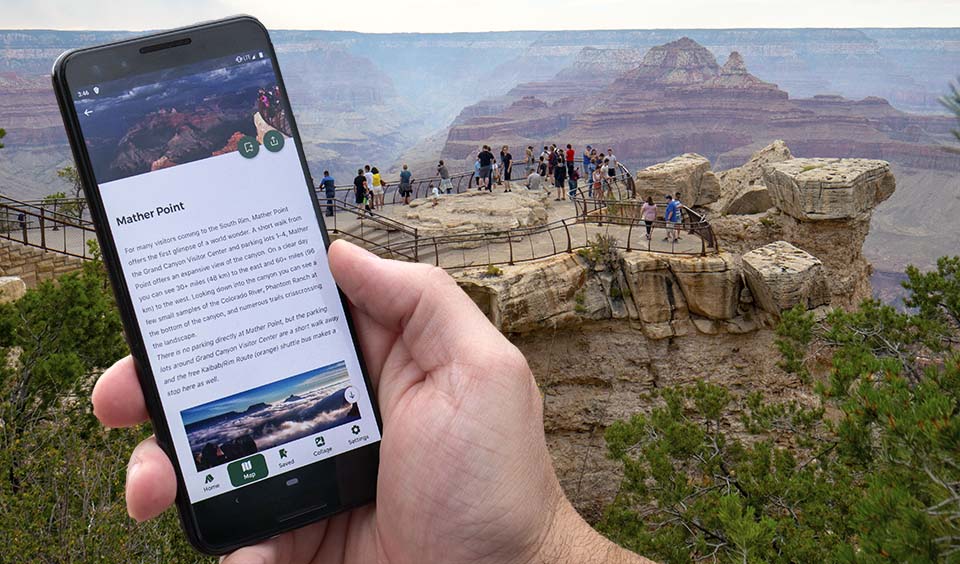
(329, 186)
(586, 158)
(672, 219)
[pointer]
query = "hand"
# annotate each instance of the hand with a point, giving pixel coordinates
(465, 475)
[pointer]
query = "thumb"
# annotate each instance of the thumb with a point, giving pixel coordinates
(437, 321)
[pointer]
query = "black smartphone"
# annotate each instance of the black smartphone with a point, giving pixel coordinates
(216, 248)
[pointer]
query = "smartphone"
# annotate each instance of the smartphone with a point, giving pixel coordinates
(216, 249)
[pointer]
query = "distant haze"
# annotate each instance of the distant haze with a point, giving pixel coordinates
(379, 16)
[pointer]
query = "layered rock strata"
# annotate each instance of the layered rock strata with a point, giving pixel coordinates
(688, 174)
(781, 276)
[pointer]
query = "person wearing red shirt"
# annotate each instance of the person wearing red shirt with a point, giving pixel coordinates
(570, 156)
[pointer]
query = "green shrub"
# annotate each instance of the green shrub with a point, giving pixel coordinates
(712, 477)
(61, 486)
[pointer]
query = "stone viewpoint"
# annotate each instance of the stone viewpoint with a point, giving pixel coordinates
(601, 331)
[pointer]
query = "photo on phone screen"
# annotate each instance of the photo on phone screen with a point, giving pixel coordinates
(223, 256)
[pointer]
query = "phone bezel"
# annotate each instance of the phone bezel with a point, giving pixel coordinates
(119, 59)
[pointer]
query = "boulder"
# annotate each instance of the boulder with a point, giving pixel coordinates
(750, 200)
(781, 276)
(828, 189)
(536, 295)
(742, 189)
(688, 174)
(655, 291)
(12, 288)
(710, 284)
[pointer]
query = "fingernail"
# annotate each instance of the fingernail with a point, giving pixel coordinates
(132, 465)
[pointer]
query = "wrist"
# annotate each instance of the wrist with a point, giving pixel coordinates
(571, 540)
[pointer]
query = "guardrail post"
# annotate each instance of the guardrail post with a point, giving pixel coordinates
(510, 243)
(416, 245)
(43, 228)
(569, 240)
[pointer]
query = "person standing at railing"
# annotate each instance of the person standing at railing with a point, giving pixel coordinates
(559, 175)
(597, 185)
(506, 165)
(445, 183)
(476, 173)
(648, 211)
(671, 215)
(486, 158)
(329, 186)
(570, 157)
(379, 187)
(406, 184)
(552, 157)
(612, 166)
(607, 178)
(528, 159)
(542, 167)
(370, 198)
(586, 158)
(360, 189)
(572, 181)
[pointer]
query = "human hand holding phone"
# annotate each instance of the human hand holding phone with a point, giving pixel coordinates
(465, 474)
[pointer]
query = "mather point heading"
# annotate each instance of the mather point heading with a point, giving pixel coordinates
(150, 214)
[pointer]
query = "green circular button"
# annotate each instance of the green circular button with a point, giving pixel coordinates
(248, 146)
(273, 140)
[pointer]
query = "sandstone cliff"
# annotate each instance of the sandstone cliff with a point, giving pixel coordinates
(601, 331)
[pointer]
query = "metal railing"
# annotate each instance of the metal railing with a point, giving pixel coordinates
(609, 209)
(36, 226)
(419, 187)
(616, 202)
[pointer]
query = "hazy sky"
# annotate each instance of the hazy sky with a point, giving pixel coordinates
(485, 15)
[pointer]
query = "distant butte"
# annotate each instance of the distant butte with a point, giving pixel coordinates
(678, 99)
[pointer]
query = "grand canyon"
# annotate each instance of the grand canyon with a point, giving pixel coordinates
(651, 94)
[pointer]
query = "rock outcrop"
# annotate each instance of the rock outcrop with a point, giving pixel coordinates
(780, 276)
(12, 288)
(819, 189)
(688, 174)
(742, 190)
(476, 211)
(668, 295)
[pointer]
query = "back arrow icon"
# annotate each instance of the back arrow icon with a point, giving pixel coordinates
(87, 112)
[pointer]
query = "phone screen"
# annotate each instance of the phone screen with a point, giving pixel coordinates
(223, 256)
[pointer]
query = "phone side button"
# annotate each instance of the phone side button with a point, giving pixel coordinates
(293, 481)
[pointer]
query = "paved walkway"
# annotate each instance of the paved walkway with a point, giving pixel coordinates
(468, 252)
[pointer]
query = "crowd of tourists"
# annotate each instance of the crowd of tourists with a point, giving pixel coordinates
(561, 168)
(557, 166)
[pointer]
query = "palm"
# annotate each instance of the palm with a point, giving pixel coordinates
(447, 479)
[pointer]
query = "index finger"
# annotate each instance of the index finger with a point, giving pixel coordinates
(117, 396)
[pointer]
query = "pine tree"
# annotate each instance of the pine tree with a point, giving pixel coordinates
(710, 476)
